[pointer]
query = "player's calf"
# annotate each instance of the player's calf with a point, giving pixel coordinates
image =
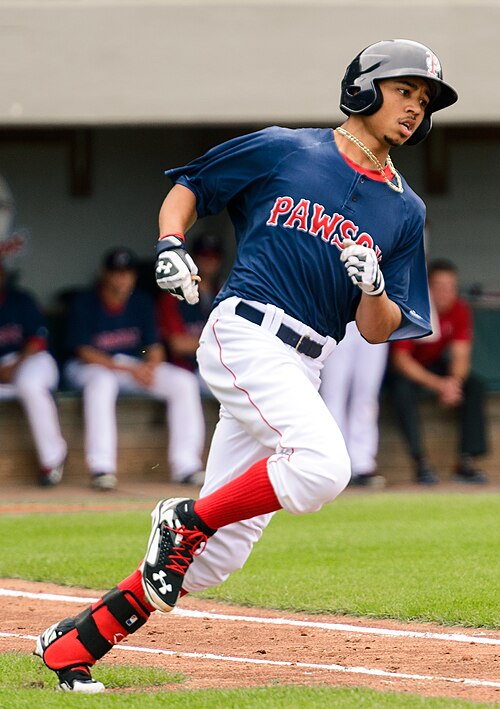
(177, 535)
(72, 646)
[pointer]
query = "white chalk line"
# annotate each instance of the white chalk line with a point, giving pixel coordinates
(340, 627)
(288, 663)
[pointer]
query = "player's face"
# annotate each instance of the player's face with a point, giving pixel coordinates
(403, 109)
(443, 287)
(120, 283)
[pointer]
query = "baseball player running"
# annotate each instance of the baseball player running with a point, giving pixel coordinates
(327, 231)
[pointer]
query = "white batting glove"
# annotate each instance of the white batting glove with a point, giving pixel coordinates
(362, 267)
(175, 270)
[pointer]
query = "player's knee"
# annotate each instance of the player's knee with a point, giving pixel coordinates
(307, 486)
(187, 383)
(27, 385)
(320, 488)
(101, 379)
(176, 382)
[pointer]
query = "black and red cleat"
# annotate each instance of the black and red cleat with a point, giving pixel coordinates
(177, 536)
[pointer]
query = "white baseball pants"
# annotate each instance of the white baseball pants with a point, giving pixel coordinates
(350, 386)
(174, 385)
(35, 379)
(270, 407)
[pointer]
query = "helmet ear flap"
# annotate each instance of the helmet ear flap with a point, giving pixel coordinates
(361, 100)
(376, 103)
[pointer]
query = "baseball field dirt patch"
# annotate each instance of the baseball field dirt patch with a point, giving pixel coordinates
(221, 646)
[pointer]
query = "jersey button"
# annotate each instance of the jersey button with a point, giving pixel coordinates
(355, 198)
(362, 180)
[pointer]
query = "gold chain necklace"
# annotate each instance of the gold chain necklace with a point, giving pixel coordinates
(398, 187)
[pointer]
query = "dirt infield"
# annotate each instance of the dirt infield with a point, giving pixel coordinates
(222, 646)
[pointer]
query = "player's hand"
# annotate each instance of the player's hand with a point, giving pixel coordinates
(362, 267)
(175, 270)
(7, 372)
(450, 392)
(143, 373)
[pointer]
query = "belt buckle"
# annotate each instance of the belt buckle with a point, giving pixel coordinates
(301, 339)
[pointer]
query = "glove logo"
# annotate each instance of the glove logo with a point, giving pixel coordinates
(164, 267)
(176, 272)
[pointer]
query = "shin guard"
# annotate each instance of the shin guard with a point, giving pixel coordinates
(87, 637)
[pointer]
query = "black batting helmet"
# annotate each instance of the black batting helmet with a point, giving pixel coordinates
(388, 59)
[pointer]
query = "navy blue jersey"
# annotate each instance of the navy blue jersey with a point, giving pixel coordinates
(126, 331)
(292, 199)
(20, 321)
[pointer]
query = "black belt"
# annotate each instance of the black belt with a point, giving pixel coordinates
(302, 344)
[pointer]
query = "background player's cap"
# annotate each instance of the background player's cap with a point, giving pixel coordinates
(207, 244)
(120, 259)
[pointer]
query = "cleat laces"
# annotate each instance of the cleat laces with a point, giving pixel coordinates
(192, 543)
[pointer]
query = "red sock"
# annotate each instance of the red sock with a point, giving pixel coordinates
(133, 583)
(107, 624)
(249, 495)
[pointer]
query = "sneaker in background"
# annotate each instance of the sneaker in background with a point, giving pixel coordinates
(103, 481)
(425, 473)
(368, 480)
(197, 478)
(48, 477)
(465, 472)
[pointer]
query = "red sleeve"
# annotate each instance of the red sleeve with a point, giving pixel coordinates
(169, 318)
(37, 342)
(462, 320)
(403, 346)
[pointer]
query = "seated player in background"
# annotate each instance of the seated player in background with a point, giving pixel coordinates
(115, 346)
(441, 364)
(28, 372)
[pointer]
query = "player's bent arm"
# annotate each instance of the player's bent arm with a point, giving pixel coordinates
(175, 270)
(377, 317)
(154, 354)
(460, 359)
(404, 363)
(7, 371)
(91, 355)
(183, 345)
(178, 211)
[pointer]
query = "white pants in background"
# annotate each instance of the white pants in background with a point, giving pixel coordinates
(270, 408)
(35, 378)
(174, 385)
(350, 387)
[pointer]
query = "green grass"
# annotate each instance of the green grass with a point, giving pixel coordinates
(425, 558)
(36, 675)
(89, 549)
(404, 556)
(25, 683)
